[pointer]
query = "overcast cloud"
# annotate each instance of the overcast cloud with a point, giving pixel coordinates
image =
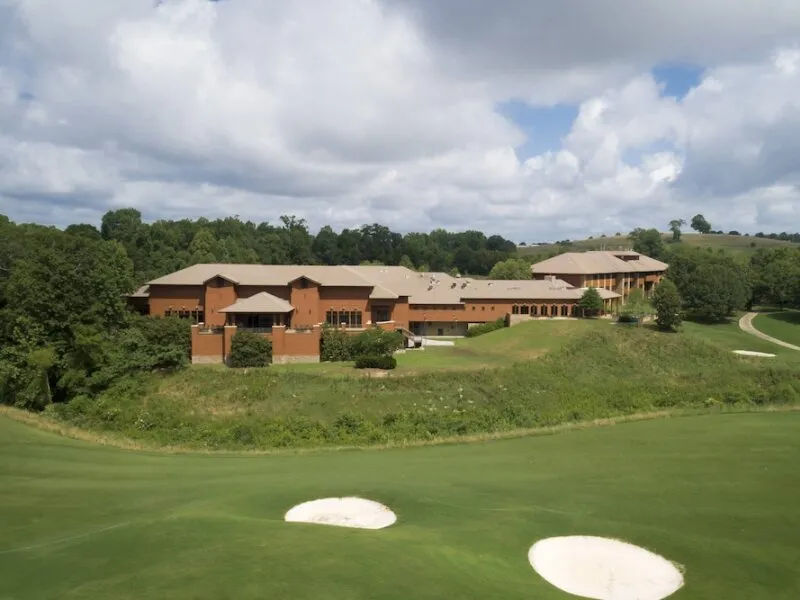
(354, 111)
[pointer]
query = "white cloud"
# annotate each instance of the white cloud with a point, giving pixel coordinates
(354, 111)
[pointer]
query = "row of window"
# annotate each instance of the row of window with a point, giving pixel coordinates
(346, 318)
(554, 310)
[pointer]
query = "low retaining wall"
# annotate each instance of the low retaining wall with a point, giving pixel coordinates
(288, 346)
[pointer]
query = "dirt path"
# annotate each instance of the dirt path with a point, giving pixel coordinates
(746, 324)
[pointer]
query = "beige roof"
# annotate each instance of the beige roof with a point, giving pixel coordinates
(528, 290)
(142, 292)
(259, 303)
(594, 262)
(272, 275)
(387, 283)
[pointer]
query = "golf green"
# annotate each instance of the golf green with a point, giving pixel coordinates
(720, 495)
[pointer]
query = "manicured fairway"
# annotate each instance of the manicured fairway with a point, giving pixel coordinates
(718, 494)
(783, 325)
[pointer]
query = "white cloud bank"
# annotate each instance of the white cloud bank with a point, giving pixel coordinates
(355, 111)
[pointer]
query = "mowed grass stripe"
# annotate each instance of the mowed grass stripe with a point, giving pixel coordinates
(717, 494)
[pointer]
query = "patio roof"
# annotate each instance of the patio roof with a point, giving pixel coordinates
(262, 303)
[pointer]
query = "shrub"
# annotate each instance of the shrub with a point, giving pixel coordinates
(249, 349)
(376, 361)
(627, 317)
(335, 345)
(591, 303)
(376, 342)
(485, 328)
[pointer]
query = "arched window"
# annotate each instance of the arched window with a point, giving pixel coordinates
(525, 310)
(534, 310)
(515, 310)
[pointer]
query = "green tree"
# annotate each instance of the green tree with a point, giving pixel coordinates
(647, 242)
(700, 225)
(675, 227)
(203, 247)
(667, 303)
(715, 291)
(405, 261)
(590, 303)
(249, 349)
(512, 268)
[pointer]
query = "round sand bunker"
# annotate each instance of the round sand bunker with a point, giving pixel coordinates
(343, 512)
(752, 353)
(604, 569)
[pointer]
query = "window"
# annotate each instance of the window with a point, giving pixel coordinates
(525, 310)
(515, 310)
(535, 310)
(348, 318)
(564, 310)
(381, 314)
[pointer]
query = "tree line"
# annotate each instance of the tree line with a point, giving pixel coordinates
(167, 246)
(713, 285)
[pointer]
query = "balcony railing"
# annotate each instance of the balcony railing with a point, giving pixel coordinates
(255, 329)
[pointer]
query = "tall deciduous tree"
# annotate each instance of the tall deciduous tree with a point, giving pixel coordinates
(512, 268)
(700, 225)
(667, 304)
(675, 227)
(647, 242)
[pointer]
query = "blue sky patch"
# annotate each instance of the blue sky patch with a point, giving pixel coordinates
(544, 126)
(677, 79)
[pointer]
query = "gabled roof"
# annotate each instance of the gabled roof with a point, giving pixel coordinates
(595, 262)
(259, 303)
(265, 275)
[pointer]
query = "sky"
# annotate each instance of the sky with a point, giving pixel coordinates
(533, 119)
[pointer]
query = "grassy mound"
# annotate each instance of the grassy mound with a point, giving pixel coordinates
(606, 373)
(716, 494)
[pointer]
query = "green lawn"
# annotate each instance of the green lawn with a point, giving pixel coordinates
(526, 341)
(783, 325)
(716, 494)
(736, 244)
(728, 336)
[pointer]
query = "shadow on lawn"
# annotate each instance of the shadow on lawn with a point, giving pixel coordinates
(790, 317)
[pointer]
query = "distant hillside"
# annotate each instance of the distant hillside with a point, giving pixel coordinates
(736, 244)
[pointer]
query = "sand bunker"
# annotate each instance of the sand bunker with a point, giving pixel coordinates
(751, 353)
(343, 512)
(604, 569)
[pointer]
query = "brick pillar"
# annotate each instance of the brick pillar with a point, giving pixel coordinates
(230, 331)
(195, 335)
(278, 342)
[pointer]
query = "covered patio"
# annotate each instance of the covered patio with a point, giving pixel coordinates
(259, 313)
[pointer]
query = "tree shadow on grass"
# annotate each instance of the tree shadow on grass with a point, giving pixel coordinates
(790, 317)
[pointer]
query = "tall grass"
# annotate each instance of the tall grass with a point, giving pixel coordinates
(604, 374)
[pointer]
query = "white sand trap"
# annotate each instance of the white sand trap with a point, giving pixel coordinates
(604, 569)
(751, 353)
(343, 512)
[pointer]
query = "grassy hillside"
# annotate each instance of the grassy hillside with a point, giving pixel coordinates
(606, 372)
(736, 244)
(716, 494)
(783, 325)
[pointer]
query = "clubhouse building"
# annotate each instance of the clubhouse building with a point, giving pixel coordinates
(291, 303)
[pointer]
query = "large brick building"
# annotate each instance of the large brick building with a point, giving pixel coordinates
(618, 272)
(290, 304)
